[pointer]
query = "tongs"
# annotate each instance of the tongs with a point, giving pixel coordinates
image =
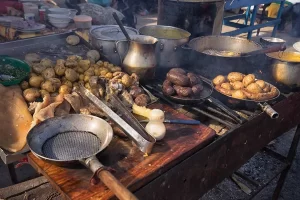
(135, 131)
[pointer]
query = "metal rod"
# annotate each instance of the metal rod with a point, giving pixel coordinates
(219, 113)
(230, 125)
(290, 158)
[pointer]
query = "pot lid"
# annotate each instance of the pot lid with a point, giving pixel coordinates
(197, 1)
(111, 32)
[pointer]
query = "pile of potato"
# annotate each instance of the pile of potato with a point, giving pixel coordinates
(240, 86)
(59, 77)
(182, 84)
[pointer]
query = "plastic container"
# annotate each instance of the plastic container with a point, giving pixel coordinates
(31, 8)
(83, 21)
(13, 67)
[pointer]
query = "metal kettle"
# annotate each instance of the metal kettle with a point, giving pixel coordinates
(140, 57)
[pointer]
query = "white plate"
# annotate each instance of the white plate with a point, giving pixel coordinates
(297, 46)
(36, 28)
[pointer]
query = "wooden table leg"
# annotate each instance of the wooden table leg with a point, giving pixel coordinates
(12, 173)
(290, 158)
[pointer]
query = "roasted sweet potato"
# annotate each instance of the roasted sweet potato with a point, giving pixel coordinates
(178, 79)
(183, 91)
(142, 100)
(168, 88)
(197, 89)
(178, 70)
(194, 79)
(135, 91)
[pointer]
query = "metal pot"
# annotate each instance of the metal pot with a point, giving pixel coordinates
(167, 51)
(285, 68)
(213, 65)
(140, 58)
(111, 42)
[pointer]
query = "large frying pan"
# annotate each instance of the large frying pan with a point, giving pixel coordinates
(76, 138)
(249, 104)
(205, 95)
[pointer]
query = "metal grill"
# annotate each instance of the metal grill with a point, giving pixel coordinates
(71, 145)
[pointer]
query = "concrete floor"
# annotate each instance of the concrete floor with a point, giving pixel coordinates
(260, 167)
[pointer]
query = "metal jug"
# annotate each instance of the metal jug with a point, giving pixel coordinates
(140, 57)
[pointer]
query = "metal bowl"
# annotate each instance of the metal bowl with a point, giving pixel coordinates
(271, 40)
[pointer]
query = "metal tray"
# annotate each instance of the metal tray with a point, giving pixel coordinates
(52, 47)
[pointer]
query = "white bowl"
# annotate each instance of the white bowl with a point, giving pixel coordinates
(59, 16)
(59, 20)
(59, 11)
(60, 24)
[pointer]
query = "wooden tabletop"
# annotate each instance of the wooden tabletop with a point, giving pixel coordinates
(132, 168)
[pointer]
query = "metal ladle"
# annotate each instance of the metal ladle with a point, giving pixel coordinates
(121, 26)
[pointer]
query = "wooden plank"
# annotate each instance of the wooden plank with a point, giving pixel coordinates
(132, 169)
(209, 166)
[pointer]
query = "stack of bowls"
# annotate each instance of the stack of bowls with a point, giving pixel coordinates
(59, 20)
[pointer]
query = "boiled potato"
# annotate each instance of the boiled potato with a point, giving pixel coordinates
(24, 85)
(238, 94)
(105, 64)
(60, 62)
(32, 74)
(81, 77)
(46, 62)
(80, 70)
(73, 40)
(89, 73)
(36, 81)
(218, 80)
(93, 55)
(74, 58)
(87, 86)
(60, 69)
(48, 73)
(44, 93)
(48, 86)
(261, 83)
(71, 75)
(226, 86)
(100, 63)
(31, 94)
(254, 88)
(56, 82)
(126, 80)
(38, 68)
(237, 85)
(115, 69)
(235, 76)
(32, 58)
(109, 75)
(267, 88)
(86, 78)
(68, 83)
(84, 64)
(64, 89)
(97, 72)
(103, 71)
(71, 63)
(250, 78)
(54, 94)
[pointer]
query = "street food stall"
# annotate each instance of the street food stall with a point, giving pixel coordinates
(113, 118)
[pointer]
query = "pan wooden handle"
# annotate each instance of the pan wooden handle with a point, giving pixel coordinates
(115, 186)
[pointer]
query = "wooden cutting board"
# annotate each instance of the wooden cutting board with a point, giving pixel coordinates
(133, 169)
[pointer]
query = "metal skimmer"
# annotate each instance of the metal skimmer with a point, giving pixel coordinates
(71, 145)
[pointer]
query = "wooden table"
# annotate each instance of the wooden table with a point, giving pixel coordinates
(244, 28)
(132, 168)
(183, 166)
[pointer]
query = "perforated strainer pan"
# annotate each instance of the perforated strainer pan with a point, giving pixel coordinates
(76, 138)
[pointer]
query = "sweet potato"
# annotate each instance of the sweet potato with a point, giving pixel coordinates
(194, 79)
(167, 88)
(183, 91)
(178, 79)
